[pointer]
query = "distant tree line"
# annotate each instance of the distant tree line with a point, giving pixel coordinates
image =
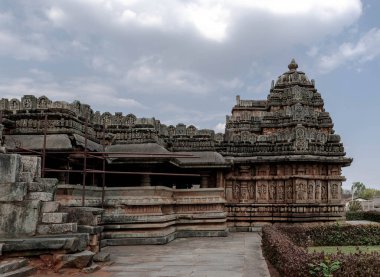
(359, 190)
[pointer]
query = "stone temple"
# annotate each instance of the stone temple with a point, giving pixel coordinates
(279, 160)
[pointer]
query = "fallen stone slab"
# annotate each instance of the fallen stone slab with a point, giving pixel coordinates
(10, 265)
(102, 257)
(40, 245)
(21, 272)
(77, 260)
(92, 268)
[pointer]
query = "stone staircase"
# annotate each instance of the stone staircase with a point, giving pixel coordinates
(51, 221)
(15, 268)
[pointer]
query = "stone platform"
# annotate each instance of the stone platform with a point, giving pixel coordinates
(238, 255)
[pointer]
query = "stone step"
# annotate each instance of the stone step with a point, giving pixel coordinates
(43, 185)
(54, 217)
(1, 248)
(11, 265)
(21, 272)
(46, 229)
(50, 207)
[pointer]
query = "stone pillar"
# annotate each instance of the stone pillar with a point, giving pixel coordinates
(219, 179)
(145, 180)
(204, 179)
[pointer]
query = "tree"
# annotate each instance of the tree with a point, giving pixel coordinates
(369, 193)
(357, 188)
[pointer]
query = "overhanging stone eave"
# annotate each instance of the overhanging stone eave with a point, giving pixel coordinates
(202, 165)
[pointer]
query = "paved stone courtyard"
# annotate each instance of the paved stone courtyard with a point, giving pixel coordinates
(238, 255)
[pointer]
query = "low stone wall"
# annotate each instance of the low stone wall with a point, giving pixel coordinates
(152, 215)
(244, 217)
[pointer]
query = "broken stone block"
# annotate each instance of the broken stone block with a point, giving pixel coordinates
(77, 260)
(13, 191)
(42, 244)
(26, 177)
(92, 268)
(49, 207)
(102, 257)
(43, 196)
(45, 229)
(10, 168)
(54, 217)
(19, 218)
(31, 164)
(45, 184)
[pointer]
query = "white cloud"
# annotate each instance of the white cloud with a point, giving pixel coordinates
(365, 49)
(21, 48)
(56, 15)
(220, 128)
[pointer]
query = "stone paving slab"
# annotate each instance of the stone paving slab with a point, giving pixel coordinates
(238, 255)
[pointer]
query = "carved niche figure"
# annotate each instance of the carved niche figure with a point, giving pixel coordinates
(324, 192)
(272, 191)
(4, 104)
(43, 102)
(244, 193)
(300, 142)
(317, 191)
(301, 191)
(280, 191)
(310, 191)
(289, 192)
(14, 104)
(262, 191)
(236, 191)
(334, 191)
(251, 190)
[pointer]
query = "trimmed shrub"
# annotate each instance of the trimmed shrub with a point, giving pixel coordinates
(369, 215)
(333, 235)
(282, 246)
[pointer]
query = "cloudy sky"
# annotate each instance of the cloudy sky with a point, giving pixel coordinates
(185, 61)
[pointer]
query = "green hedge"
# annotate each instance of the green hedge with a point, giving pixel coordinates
(282, 247)
(333, 234)
(370, 215)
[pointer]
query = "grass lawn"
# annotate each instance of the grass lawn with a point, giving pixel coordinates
(344, 249)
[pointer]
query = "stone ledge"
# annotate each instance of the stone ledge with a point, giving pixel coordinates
(45, 229)
(92, 230)
(167, 238)
(43, 196)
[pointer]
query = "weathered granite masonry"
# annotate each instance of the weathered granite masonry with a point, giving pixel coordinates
(31, 222)
(279, 160)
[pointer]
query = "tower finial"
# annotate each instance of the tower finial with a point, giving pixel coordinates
(293, 65)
